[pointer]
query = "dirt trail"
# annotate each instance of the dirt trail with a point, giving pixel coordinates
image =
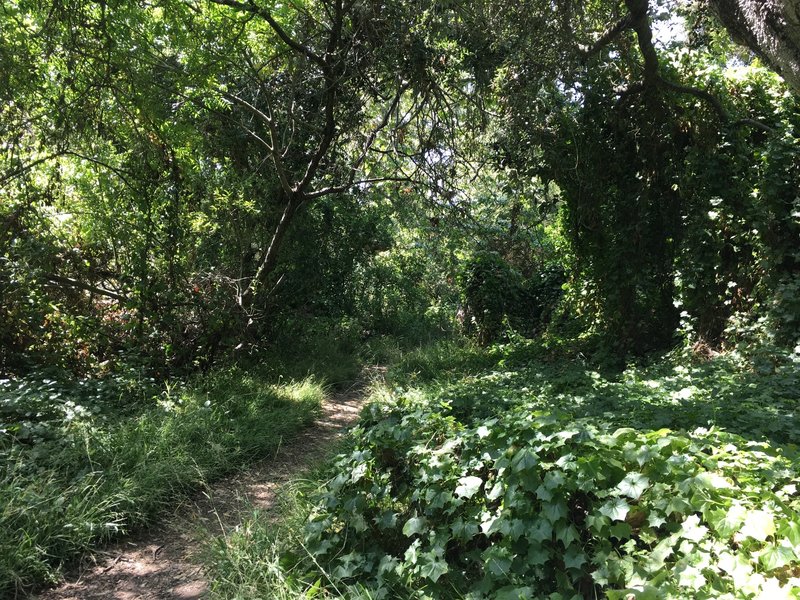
(160, 563)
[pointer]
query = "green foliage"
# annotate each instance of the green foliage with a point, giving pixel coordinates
(85, 461)
(540, 477)
(495, 294)
(739, 253)
(492, 289)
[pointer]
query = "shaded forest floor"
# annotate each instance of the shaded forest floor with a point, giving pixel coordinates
(163, 561)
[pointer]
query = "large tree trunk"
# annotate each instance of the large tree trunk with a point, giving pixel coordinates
(770, 28)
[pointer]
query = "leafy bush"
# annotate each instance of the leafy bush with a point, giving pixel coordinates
(528, 504)
(495, 293)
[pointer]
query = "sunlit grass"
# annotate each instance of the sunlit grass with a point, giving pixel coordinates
(82, 481)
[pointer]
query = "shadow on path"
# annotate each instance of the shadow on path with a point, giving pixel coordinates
(161, 563)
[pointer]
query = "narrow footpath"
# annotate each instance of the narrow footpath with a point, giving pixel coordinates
(162, 563)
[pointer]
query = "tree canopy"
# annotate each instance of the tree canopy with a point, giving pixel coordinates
(173, 170)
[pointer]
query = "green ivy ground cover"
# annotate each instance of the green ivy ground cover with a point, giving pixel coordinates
(548, 480)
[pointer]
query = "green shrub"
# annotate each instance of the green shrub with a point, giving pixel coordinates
(529, 504)
(495, 295)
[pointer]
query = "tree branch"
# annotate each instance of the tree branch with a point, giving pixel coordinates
(644, 34)
(608, 36)
(351, 184)
(277, 155)
(25, 168)
(387, 115)
(69, 282)
(252, 8)
(640, 21)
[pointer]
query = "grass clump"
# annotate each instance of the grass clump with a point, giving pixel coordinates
(80, 469)
(251, 562)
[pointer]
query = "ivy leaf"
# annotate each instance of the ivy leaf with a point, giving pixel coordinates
(554, 511)
(655, 520)
(524, 459)
(497, 490)
(660, 553)
(712, 481)
(600, 577)
(542, 531)
(597, 524)
(737, 566)
(387, 520)
(647, 593)
(692, 530)
(567, 534)
(615, 509)
(511, 592)
(432, 564)
(621, 530)
(412, 553)
(482, 431)
(468, 486)
(633, 485)
(574, 558)
(690, 577)
(537, 555)
(349, 564)
(791, 531)
(727, 523)
(775, 557)
(414, 526)
(517, 529)
(758, 525)
(464, 530)
(544, 494)
(497, 561)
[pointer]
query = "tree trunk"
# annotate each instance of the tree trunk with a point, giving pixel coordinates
(770, 28)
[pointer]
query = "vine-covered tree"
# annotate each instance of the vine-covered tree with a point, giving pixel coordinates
(771, 29)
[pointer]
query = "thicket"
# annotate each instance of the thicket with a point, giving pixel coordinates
(188, 186)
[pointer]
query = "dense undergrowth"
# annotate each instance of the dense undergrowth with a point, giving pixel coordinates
(517, 472)
(85, 460)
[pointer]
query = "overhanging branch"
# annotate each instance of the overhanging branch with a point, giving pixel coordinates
(251, 8)
(608, 36)
(74, 283)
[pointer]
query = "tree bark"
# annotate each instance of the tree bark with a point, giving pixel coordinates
(770, 28)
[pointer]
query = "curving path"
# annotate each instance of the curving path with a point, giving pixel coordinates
(160, 563)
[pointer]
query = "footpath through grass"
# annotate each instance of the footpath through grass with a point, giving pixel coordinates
(82, 461)
(521, 473)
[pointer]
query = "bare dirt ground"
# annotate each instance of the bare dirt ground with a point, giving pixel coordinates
(161, 563)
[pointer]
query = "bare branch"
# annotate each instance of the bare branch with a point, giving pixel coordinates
(25, 168)
(69, 282)
(608, 36)
(275, 152)
(117, 171)
(387, 115)
(752, 123)
(340, 189)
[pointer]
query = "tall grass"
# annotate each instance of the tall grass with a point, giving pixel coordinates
(264, 557)
(89, 477)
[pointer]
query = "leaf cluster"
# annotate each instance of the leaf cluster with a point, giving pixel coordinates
(497, 487)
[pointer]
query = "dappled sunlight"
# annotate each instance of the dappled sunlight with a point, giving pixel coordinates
(537, 476)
